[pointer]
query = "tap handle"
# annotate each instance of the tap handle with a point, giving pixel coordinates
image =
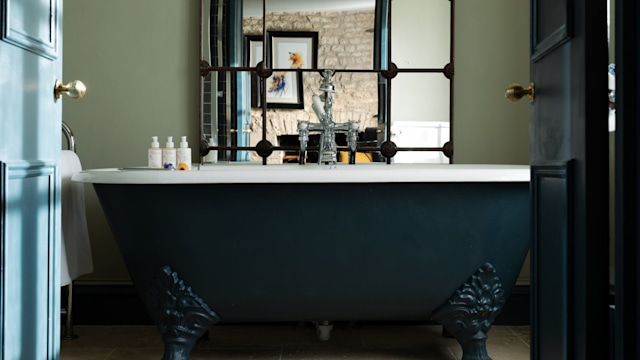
(302, 157)
(303, 133)
(317, 107)
(352, 157)
(352, 135)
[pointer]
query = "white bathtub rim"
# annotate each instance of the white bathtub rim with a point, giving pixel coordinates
(310, 173)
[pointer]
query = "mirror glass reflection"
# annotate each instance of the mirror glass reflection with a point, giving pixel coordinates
(345, 29)
(349, 38)
(421, 34)
(420, 112)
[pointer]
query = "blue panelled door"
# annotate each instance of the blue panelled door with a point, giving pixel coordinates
(569, 180)
(30, 143)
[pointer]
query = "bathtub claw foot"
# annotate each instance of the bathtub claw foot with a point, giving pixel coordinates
(471, 310)
(179, 314)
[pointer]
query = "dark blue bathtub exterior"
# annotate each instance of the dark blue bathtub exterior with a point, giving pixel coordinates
(314, 252)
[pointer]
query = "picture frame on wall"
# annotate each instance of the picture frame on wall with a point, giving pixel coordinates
(293, 49)
(254, 52)
(286, 50)
(290, 50)
(284, 90)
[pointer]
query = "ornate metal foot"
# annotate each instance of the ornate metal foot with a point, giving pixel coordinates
(470, 312)
(180, 315)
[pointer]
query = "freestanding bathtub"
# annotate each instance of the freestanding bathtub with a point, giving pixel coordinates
(252, 243)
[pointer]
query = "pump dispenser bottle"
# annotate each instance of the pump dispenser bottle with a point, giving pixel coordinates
(184, 155)
(155, 154)
(169, 154)
(212, 156)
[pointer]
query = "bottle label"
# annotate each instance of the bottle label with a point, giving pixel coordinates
(212, 156)
(169, 158)
(184, 159)
(155, 158)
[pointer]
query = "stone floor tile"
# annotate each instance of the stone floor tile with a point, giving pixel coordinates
(198, 354)
(277, 336)
(502, 348)
(404, 336)
(365, 354)
(85, 353)
(236, 354)
(114, 336)
(136, 353)
(294, 342)
(524, 332)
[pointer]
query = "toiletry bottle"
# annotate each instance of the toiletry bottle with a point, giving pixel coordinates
(212, 156)
(184, 155)
(155, 154)
(169, 154)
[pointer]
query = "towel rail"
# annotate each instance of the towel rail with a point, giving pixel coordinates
(68, 134)
(68, 311)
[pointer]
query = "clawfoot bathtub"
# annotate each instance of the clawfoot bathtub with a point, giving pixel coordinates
(251, 243)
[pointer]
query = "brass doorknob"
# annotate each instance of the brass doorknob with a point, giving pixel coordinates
(515, 92)
(75, 89)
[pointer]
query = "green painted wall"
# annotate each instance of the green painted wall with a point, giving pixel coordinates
(491, 52)
(139, 60)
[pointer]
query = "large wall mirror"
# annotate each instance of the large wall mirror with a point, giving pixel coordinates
(392, 62)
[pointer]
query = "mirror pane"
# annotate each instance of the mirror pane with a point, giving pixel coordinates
(345, 32)
(420, 115)
(225, 118)
(420, 35)
(355, 99)
(221, 35)
(205, 30)
(332, 34)
(252, 22)
(420, 97)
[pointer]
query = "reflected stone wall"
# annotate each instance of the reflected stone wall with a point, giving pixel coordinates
(345, 40)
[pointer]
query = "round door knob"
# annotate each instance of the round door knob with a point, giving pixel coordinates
(75, 89)
(515, 92)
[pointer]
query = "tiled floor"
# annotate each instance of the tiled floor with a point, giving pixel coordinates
(294, 342)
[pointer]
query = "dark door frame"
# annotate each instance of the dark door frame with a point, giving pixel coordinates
(627, 177)
(569, 180)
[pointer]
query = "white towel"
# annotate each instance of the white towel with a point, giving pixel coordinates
(76, 249)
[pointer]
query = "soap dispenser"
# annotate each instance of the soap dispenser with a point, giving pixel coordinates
(169, 154)
(155, 154)
(212, 156)
(184, 155)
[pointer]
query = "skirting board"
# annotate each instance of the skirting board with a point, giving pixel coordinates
(120, 305)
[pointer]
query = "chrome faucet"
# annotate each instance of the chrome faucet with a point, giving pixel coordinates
(327, 151)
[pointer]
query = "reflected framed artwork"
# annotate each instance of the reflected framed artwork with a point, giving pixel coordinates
(253, 52)
(286, 50)
(284, 90)
(289, 50)
(293, 49)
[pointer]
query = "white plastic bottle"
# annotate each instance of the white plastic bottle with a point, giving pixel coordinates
(169, 154)
(184, 155)
(155, 154)
(212, 156)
